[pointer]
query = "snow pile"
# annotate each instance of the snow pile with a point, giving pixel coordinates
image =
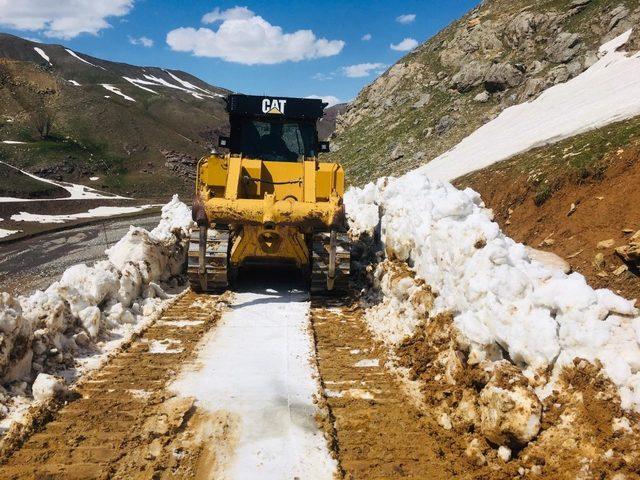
(607, 92)
(47, 330)
(501, 299)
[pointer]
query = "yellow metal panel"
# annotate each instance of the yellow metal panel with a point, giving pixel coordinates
(284, 244)
(309, 181)
(233, 179)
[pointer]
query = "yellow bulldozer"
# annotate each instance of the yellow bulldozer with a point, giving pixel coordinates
(270, 202)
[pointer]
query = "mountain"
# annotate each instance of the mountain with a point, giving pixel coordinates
(81, 117)
(502, 53)
(327, 124)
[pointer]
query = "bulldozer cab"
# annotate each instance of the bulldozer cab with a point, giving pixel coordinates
(274, 129)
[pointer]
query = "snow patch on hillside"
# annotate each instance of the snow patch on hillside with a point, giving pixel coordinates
(40, 52)
(97, 212)
(76, 192)
(78, 57)
(117, 91)
(607, 92)
(501, 299)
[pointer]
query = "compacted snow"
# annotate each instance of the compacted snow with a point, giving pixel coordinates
(117, 91)
(256, 368)
(607, 92)
(501, 299)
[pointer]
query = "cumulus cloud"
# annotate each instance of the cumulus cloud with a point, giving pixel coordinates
(405, 45)
(143, 41)
(246, 38)
(406, 19)
(330, 99)
(65, 19)
(235, 13)
(366, 37)
(362, 69)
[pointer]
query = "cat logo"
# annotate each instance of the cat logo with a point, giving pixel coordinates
(274, 106)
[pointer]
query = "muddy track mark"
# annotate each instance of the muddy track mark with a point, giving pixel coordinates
(379, 433)
(125, 424)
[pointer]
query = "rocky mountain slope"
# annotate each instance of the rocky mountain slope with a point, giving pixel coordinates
(500, 54)
(81, 117)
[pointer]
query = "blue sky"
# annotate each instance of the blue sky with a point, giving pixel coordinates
(224, 49)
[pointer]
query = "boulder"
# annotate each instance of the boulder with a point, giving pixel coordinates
(445, 124)
(630, 253)
(482, 97)
(424, 100)
(470, 75)
(501, 76)
(564, 48)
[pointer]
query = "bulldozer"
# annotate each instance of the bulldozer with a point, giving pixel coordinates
(270, 202)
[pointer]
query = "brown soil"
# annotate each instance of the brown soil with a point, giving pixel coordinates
(577, 438)
(605, 206)
(125, 424)
(378, 432)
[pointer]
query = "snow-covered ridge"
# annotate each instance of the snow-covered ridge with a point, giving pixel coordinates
(607, 92)
(499, 296)
(49, 330)
(77, 192)
(75, 55)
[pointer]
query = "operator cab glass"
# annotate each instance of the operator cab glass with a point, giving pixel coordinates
(287, 141)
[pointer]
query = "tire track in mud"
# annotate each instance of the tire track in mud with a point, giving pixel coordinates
(377, 431)
(124, 423)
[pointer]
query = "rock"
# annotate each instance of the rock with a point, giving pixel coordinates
(475, 454)
(604, 244)
(482, 97)
(630, 253)
(572, 210)
(509, 409)
(424, 100)
(470, 75)
(549, 259)
(445, 124)
(564, 48)
(47, 386)
(598, 261)
(397, 153)
(559, 74)
(502, 76)
(182, 164)
(617, 14)
(579, 3)
(504, 453)
(620, 270)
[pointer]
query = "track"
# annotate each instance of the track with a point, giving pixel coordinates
(274, 386)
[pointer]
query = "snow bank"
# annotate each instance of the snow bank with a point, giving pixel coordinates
(542, 318)
(40, 52)
(607, 92)
(46, 331)
(5, 233)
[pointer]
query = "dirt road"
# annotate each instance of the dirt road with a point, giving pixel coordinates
(262, 384)
(35, 263)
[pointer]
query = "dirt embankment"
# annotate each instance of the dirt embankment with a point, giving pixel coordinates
(581, 219)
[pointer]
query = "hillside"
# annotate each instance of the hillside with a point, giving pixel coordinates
(500, 54)
(83, 117)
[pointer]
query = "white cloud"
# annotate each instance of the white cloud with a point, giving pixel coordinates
(323, 77)
(330, 99)
(366, 37)
(61, 19)
(362, 69)
(246, 38)
(406, 19)
(144, 41)
(235, 13)
(406, 45)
